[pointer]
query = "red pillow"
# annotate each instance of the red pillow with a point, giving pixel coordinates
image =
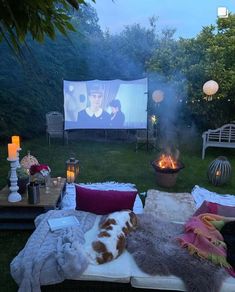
(214, 208)
(103, 202)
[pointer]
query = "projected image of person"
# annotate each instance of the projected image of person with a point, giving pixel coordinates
(117, 116)
(94, 116)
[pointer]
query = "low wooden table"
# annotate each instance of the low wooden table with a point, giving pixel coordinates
(21, 215)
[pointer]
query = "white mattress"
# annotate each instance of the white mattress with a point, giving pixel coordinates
(200, 194)
(124, 269)
(140, 279)
(110, 272)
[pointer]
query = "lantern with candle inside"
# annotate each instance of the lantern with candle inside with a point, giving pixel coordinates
(72, 169)
(219, 171)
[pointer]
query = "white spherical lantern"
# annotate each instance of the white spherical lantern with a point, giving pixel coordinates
(210, 87)
(158, 95)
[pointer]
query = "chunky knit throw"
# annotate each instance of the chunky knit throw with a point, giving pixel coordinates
(51, 257)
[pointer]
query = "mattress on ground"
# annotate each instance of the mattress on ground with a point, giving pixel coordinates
(124, 270)
(177, 207)
(142, 280)
(118, 270)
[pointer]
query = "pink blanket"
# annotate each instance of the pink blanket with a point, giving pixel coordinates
(202, 238)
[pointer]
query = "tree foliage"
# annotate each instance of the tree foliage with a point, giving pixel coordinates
(33, 87)
(38, 18)
(189, 63)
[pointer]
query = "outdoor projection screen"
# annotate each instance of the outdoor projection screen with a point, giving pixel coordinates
(105, 104)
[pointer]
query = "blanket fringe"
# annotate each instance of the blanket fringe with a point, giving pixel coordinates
(215, 259)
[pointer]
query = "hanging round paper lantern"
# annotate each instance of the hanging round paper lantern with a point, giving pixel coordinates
(158, 96)
(210, 87)
(219, 171)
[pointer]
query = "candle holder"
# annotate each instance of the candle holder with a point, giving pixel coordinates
(14, 196)
(18, 158)
(219, 171)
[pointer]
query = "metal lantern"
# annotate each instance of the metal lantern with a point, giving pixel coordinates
(210, 87)
(219, 171)
(72, 169)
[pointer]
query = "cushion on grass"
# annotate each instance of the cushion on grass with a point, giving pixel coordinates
(103, 202)
(177, 207)
(215, 208)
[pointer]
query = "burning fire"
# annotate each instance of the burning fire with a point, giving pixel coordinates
(166, 161)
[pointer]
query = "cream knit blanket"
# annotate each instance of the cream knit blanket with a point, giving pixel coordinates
(51, 257)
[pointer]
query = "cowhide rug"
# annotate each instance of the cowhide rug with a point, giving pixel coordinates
(157, 252)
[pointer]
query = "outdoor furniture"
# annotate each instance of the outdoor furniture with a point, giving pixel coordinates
(21, 215)
(223, 137)
(55, 126)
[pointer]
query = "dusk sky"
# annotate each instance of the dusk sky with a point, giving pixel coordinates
(187, 16)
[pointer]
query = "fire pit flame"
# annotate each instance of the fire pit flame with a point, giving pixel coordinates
(167, 167)
(166, 161)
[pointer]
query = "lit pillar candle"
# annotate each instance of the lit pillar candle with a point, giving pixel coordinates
(16, 140)
(218, 173)
(12, 151)
(70, 176)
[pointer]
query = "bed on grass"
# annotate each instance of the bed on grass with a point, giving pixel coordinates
(152, 259)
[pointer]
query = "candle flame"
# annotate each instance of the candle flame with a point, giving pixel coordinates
(218, 173)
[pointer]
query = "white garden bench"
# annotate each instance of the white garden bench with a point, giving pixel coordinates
(223, 137)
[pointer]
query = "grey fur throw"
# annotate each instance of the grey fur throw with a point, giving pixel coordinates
(157, 252)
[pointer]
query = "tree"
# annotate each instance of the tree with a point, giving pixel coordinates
(33, 87)
(189, 63)
(215, 48)
(38, 18)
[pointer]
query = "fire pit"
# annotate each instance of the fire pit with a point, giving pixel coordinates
(167, 168)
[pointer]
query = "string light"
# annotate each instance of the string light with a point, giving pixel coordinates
(200, 100)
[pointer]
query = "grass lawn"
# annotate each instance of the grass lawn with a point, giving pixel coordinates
(106, 161)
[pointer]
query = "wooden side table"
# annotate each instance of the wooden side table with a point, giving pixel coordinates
(21, 215)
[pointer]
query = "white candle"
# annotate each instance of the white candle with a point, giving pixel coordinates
(16, 140)
(12, 151)
(70, 176)
(55, 182)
